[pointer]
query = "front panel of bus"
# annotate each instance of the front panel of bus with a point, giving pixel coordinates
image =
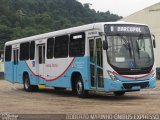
(129, 62)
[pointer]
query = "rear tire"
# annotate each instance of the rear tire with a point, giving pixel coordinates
(80, 88)
(27, 86)
(119, 93)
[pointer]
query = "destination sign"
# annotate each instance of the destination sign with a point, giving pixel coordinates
(126, 29)
(76, 36)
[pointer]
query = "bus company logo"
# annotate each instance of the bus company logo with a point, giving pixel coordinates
(93, 33)
(51, 65)
(131, 64)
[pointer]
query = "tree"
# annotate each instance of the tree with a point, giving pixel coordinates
(23, 18)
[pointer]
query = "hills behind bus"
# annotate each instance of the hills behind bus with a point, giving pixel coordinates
(30, 17)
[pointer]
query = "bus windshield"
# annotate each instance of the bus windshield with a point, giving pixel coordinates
(130, 53)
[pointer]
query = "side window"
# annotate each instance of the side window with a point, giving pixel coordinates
(41, 54)
(24, 51)
(15, 56)
(32, 50)
(77, 45)
(99, 52)
(50, 46)
(61, 46)
(91, 47)
(8, 53)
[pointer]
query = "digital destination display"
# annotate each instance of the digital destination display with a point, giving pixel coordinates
(126, 29)
(76, 36)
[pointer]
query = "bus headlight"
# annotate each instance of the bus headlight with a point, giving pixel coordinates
(111, 75)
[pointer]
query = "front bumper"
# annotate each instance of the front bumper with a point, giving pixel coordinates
(118, 85)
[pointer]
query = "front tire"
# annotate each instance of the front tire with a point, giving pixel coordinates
(80, 89)
(27, 86)
(119, 93)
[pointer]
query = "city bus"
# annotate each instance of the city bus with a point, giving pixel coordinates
(113, 57)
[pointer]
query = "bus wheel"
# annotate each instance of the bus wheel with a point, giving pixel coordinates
(80, 89)
(27, 86)
(119, 93)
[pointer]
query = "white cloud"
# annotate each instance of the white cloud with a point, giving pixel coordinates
(120, 7)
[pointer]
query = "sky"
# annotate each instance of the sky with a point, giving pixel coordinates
(120, 7)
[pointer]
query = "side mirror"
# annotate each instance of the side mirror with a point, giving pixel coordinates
(154, 41)
(105, 45)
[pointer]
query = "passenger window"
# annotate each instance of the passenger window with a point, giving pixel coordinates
(61, 46)
(15, 56)
(50, 46)
(24, 51)
(99, 52)
(91, 47)
(32, 50)
(40, 55)
(77, 45)
(8, 53)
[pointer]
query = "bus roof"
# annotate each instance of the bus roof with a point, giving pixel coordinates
(67, 31)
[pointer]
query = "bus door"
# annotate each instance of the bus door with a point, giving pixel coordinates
(96, 63)
(41, 62)
(15, 64)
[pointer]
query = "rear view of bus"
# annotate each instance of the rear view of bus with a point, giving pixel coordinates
(129, 62)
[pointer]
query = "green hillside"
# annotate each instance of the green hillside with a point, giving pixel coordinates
(22, 18)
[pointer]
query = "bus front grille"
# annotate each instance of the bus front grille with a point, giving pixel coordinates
(130, 85)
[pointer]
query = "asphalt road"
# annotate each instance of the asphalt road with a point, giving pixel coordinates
(14, 99)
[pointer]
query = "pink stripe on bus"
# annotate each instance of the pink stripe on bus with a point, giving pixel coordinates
(134, 77)
(53, 79)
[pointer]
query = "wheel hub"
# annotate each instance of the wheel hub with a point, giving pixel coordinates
(79, 87)
(26, 83)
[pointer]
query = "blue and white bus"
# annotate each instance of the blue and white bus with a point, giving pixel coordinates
(113, 57)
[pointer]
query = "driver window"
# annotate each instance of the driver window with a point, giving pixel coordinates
(145, 46)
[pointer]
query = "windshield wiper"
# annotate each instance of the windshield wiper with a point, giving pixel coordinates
(138, 48)
(127, 44)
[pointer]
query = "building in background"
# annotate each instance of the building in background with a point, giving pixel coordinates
(151, 17)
